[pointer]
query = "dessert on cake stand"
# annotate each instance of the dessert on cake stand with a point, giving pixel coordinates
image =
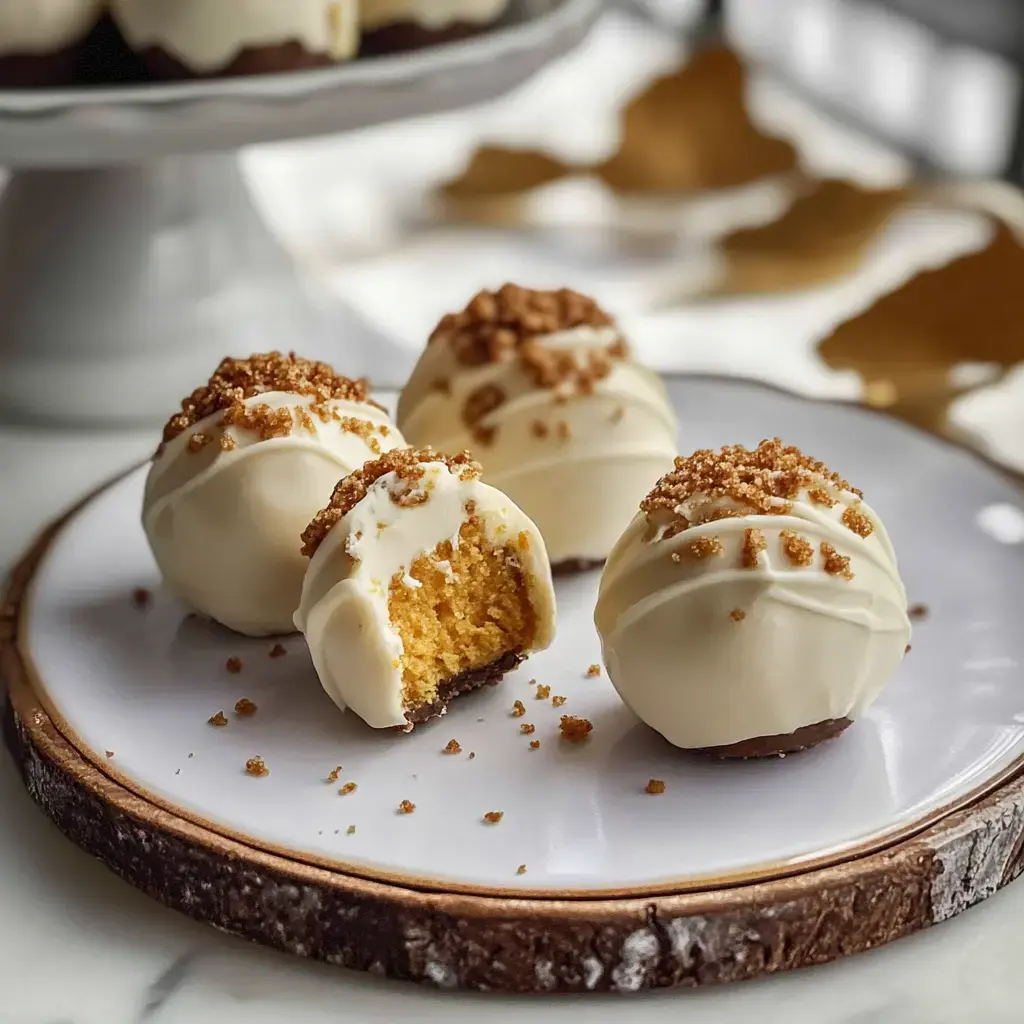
(131, 254)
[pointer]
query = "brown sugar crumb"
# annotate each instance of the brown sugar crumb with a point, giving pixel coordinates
(797, 549)
(756, 482)
(256, 767)
(305, 420)
(277, 651)
(141, 598)
(835, 563)
(539, 429)
(704, 547)
(453, 747)
(219, 719)
(407, 465)
(197, 442)
(593, 670)
(543, 692)
(349, 787)
(245, 707)
(109, 754)
(233, 665)
(753, 544)
(820, 496)
(907, 649)
(855, 520)
(575, 730)
(441, 384)
(518, 709)
(737, 615)
(493, 817)
(495, 325)
(655, 787)
(406, 807)
(227, 443)
(333, 775)
(521, 870)
(236, 380)
(351, 830)
(478, 406)
(523, 541)
(526, 729)
(557, 701)
(564, 432)
(535, 744)
(918, 611)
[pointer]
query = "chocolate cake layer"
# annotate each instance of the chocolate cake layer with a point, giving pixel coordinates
(403, 36)
(38, 71)
(571, 566)
(257, 60)
(774, 746)
(466, 682)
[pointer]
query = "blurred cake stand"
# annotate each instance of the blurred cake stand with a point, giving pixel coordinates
(131, 254)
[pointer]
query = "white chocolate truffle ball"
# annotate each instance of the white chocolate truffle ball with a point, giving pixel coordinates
(541, 388)
(424, 583)
(241, 471)
(753, 606)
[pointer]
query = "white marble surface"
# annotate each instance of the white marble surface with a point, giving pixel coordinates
(78, 945)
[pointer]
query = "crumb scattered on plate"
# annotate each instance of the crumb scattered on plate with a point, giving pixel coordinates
(543, 692)
(333, 775)
(219, 720)
(655, 787)
(518, 709)
(521, 870)
(574, 729)
(593, 670)
(907, 650)
(349, 787)
(737, 615)
(526, 728)
(233, 665)
(406, 807)
(557, 701)
(918, 611)
(493, 817)
(110, 754)
(453, 747)
(535, 744)
(245, 707)
(141, 598)
(278, 651)
(257, 767)
(351, 830)
(472, 754)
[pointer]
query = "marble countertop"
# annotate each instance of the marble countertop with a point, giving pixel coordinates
(78, 946)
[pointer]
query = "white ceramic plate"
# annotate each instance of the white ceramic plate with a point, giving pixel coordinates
(143, 684)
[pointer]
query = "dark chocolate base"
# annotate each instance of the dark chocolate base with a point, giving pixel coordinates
(38, 71)
(465, 682)
(403, 36)
(776, 746)
(259, 60)
(572, 566)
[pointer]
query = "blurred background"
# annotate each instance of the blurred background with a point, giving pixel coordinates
(821, 194)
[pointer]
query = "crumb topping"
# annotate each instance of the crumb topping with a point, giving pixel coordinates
(855, 520)
(593, 670)
(406, 807)
(219, 720)
(737, 615)
(575, 730)
(478, 406)
(835, 563)
(495, 324)
(753, 544)
(245, 707)
(256, 767)
(278, 651)
(539, 429)
(543, 692)
(493, 817)
(236, 380)
(798, 550)
(655, 787)
(518, 709)
(704, 547)
(233, 665)
(761, 481)
(407, 465)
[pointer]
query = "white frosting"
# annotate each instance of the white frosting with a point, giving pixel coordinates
(225, 526)
(429, 14)
(46, 26)
(811, 645)
(581, 489)
(344, 608)
(207, 35)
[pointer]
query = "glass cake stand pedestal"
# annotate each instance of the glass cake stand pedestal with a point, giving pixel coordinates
(132, 256)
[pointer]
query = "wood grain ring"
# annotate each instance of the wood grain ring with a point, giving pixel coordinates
(505, 944)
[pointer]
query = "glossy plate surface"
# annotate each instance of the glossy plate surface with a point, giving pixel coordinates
(143, 684)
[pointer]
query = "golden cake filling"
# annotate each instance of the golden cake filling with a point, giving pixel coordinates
(472, 606)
